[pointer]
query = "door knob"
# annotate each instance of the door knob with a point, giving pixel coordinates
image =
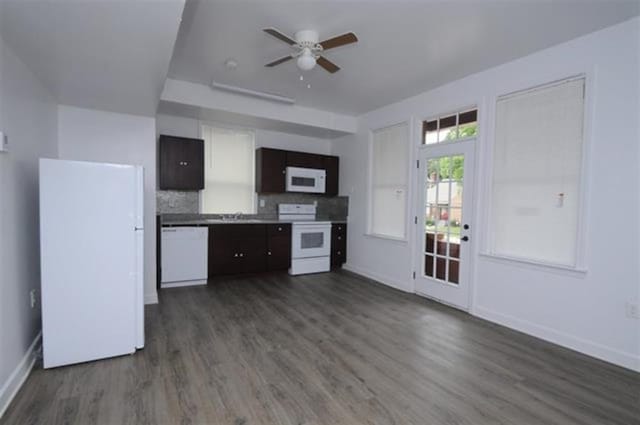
(465, 227)
(464, 238)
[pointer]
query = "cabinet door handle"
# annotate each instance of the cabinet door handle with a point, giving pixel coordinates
(279, 229)
(269, 253)
(241, 254)
(339, 237)
(235, 255)
(339, 253)
(284, 171)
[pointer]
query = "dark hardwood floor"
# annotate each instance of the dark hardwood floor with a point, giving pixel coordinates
(327, 349)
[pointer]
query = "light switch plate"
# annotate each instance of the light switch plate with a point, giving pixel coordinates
(4, 142)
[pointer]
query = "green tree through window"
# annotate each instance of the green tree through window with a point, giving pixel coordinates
(446, 170)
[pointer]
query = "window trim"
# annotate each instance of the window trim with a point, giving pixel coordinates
(580, 266)
(213, 124)
(408, 123)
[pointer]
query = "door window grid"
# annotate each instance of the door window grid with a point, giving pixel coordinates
(443, 221)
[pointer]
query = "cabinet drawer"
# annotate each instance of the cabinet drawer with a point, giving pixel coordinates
(338, 242)
(338, 256)
(279, 229)
(339, 231)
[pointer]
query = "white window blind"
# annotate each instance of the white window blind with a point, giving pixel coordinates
(229, 171)
(536, 173)
(389, 161)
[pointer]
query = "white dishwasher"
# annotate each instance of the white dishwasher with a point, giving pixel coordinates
(184, 256)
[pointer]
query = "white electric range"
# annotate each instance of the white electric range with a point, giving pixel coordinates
(310, 239)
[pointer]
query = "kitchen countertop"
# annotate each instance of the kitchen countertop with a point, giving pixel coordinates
(208, 221)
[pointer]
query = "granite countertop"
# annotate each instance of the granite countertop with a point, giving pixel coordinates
(179, 221)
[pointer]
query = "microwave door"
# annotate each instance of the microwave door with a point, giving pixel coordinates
(305, 180)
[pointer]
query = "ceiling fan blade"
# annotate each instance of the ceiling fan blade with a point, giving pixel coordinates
(279, 35)
(327, 65)
(279, 61)
(338, 41)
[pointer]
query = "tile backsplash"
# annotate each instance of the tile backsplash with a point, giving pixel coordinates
(179, 202)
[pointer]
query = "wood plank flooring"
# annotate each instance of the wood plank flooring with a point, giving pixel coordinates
(327, 349)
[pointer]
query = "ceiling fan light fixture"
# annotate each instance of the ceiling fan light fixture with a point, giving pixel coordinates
(306, 61)
(308, 50)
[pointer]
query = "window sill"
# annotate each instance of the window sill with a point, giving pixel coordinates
(536, 265)
(386, 238)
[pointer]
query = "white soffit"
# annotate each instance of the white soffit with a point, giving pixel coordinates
(199, 101)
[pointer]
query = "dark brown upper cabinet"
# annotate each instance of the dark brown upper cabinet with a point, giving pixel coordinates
(181, 163)
(305, 160)
(271, 169)
(332, 167)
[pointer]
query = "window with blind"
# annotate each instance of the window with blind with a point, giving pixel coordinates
(389, 177)
(228, 171)
(536, 173)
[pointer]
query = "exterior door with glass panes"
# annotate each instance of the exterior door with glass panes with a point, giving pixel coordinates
(443, 222)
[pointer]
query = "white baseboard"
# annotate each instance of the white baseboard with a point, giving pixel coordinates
(151, 297)
(590, 348)
(385, 280)
(182, 284)
(20, 374)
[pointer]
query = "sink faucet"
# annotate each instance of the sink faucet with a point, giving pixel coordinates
(237, 215)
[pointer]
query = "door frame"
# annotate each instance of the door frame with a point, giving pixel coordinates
(469, 210)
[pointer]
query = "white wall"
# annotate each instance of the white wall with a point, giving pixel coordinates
(28, 117)
(583, 311)
(91, 135)
(189, 127)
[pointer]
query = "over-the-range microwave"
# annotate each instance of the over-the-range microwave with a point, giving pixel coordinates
(309, 180)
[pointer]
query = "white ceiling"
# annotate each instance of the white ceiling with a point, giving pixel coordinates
(105, 54)
(405, 47)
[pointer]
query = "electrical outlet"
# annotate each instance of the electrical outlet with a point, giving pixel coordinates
(633, 312)
(262, 203)
(32, 298)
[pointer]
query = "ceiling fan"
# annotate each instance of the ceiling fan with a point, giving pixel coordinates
(309, 49)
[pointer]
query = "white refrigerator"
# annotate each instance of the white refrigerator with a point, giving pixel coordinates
(91, 259)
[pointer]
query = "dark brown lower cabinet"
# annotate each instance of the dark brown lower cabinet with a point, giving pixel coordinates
(338, 244)
(237, 248)
(248, 248)
(278, 246)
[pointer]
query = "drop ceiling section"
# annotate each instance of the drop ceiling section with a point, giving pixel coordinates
(404, 47)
